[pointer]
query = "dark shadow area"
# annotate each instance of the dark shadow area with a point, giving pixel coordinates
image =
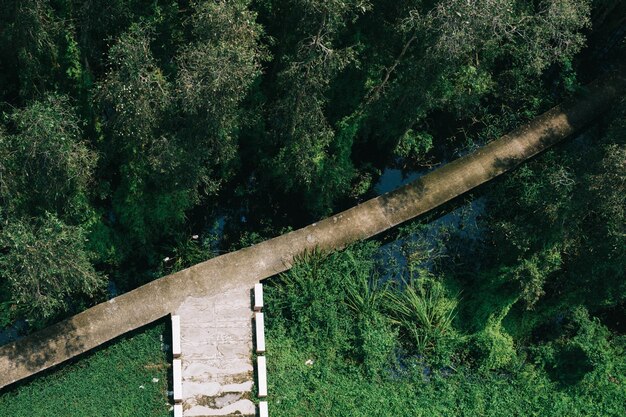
(614, 318)
(167, 341)
(252, 299)
(570, 367)
(33, 351)
(407, 194)
(549, 330)
(253, 322)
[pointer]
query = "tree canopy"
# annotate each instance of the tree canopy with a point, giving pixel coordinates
(139, 137)
(131, 128)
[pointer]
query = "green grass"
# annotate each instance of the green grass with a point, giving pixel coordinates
(330, 388)
(114, 381)
(364, 365)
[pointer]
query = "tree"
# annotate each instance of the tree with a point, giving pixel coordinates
(169, 143)
(40, 52)
(313, 157)
(556, 228)
(47, 268)
(45, 173)
(47, 167)
(462, 61)
(215, 72)
(141, 159)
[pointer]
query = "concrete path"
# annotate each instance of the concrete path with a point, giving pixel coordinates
(245, 267)
(216, 345)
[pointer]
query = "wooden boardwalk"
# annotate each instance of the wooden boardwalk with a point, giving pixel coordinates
(216, 346)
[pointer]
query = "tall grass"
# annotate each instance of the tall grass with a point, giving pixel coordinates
(332, 345)
(365, 291)
(423, 311)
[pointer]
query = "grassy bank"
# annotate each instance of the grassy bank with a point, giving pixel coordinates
(127, 378)
(338, 344)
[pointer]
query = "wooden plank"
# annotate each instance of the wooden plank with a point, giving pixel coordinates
(262, 376)
(177, 380)
(259, 323)
(178, 410)
(258, 297)
(176, 336)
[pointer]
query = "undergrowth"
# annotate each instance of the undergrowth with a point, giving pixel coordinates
(341, 341)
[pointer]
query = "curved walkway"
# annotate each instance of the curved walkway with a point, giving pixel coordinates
(243, 268)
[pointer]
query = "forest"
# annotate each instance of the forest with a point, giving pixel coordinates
(140, 137)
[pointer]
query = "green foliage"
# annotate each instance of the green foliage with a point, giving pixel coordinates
(360, 370)
(532, 273)
(414, 145)
(556, 35)
(538, 34)
(310, 151)
(424, 312)
(377, 342)
(544, 237)
(580, 351)
(140, 157)
(135, 92)
(316, 287)
(336, 169)
(464, 89)
(118, 380)
(6, 312)
(35, 39)
(217, 69)
(187, 252)
(46, 266)
(46, 164)
(439, 69)
(101, 22)
(493, 346)
(215, 72)
(366, 295)
(45, 174)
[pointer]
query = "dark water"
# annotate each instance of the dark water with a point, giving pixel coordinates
(393, 178)
(13, 332)
(428, 239)
(217, 231)
(112, 291)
